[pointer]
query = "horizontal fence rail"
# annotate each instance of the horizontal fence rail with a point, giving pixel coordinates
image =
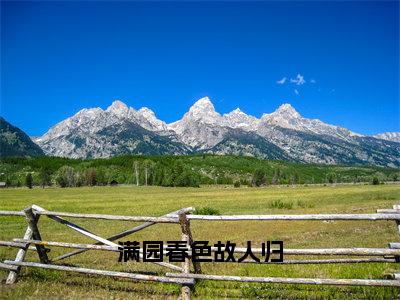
(19, 243)
(133, 276)
(32, 240)
(388, 211)
(40, 211)
(357, 282)
(110, 217)
(323, 261)
(12, 213)
(394, 215)
(318, 217)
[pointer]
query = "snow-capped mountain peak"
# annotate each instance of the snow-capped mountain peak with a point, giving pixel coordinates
(203, 102)
(238, 119)
(64, 127)
(203, 110)
(196, 127)
(203, 105)
(285, 116)
(88, 112)
(236, 112)
(150, 116)
(118, 107)
(147, 112)
(287, 110)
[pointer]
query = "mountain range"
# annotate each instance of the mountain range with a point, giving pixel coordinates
(283, 134)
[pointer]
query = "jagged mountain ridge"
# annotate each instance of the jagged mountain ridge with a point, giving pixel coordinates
(94, 133)
(389, 136)
(283, 134)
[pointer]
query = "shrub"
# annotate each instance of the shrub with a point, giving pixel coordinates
(236, 184)
(375, 180)
(303, 204)
(280, 204)
(207, 210)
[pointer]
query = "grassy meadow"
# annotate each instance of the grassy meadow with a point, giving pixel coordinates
(156, 201)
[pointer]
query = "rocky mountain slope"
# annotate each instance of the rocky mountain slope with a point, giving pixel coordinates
(93, 133)
(283, 134)
(14, 142)
(389, 136)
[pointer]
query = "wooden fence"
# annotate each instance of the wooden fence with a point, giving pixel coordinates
(182, 275)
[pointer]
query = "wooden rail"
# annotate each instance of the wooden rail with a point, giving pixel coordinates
(32, 240)
(137, 277)
(356, 282)
(20, 243)
(317, 217)
(12, 213)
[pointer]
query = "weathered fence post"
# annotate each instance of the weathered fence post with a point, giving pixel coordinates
(185, 225)
(396, 207)
(12, 276)
(32, 231)
(186, 237)
(33, 219)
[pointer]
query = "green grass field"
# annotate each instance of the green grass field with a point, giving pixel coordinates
(156, 201)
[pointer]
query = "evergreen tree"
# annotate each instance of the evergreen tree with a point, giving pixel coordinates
(375, 180)
(29, 180)
(44, 176)
(331, 177)
(158, 174)
(395, 177)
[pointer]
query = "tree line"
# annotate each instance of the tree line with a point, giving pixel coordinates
(147, 173)
(190, 171)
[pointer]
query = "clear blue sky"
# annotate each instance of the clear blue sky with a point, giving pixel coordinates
(57, 58)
